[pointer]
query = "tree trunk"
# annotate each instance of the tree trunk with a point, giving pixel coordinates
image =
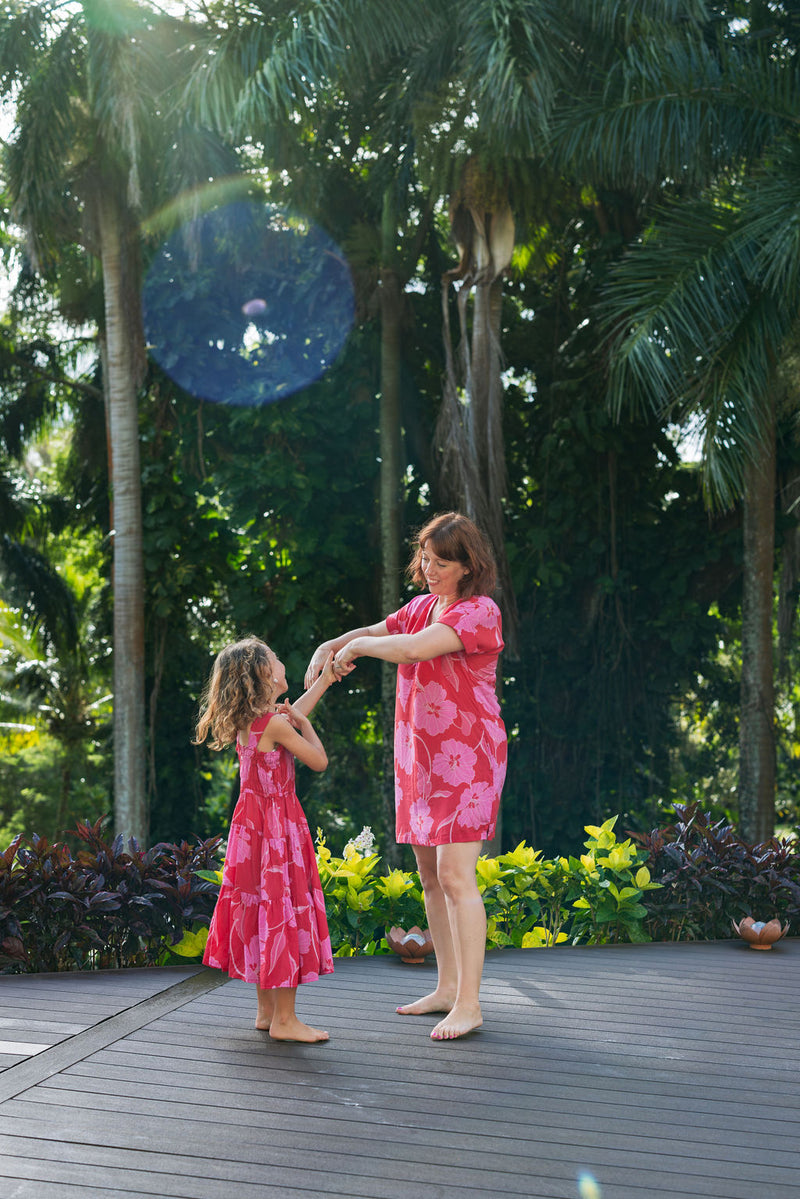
(124, 348)
(756, 719)
(469, 429)
(390, 499)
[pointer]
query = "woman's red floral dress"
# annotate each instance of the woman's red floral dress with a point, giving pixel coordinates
(269, 924)
(450, 740)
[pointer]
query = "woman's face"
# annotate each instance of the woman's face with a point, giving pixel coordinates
(442, 575)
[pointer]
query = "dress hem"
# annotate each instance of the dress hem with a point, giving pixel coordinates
(480, 836)
(306, 978)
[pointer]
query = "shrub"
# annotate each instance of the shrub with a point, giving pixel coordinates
(111, 906)
(105, 907)
(709, 876)
(532, 902)
(361, 906)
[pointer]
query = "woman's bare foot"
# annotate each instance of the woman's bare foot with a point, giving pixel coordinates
(295, 1030)
(437, 1001)
(457, 1023)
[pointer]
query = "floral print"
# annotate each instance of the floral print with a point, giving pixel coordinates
(450, 741)
(269, 924)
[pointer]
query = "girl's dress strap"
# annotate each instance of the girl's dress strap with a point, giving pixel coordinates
(256, 729)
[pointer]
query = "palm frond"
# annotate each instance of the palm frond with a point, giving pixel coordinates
(695, 334)
(48, 115)
(32, 585)
(516, 56)
(674, 109)
(772, 199)
(24, 32)
(624, 20)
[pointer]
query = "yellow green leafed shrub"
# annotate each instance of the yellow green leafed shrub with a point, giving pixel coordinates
(531, 902)
(360, 905)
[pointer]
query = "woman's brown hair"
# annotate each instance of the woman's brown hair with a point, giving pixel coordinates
(241, 688)
(456, 538)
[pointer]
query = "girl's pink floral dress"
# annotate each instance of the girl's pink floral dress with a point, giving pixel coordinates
(450, 740)
(269, 925)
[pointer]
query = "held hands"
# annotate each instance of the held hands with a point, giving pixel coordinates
(342, 663)
(333, 669)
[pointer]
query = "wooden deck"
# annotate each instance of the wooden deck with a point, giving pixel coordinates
(664, 1071)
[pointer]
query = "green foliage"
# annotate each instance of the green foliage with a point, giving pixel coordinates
(31, 782)
(108, 906)
(594, 899)
(530, 902)
(616, 565)
(360, 905)
(264, 520)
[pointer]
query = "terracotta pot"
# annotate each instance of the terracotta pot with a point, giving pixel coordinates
(412, 946)
(760, 934)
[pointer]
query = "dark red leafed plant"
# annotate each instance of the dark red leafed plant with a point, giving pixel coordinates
(709, 876)
(110, 905)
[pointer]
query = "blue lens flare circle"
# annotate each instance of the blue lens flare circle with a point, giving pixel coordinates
(245, 305)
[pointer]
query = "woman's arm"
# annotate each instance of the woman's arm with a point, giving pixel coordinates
(299, 737)
(429, 643)
(336, 643)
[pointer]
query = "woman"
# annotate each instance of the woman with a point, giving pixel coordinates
(450, 746)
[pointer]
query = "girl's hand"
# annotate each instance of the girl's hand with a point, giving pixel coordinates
(328, 673)
(286, 709)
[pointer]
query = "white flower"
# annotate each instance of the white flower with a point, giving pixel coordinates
(363, 844)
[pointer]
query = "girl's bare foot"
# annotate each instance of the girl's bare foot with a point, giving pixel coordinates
(264, 1017)
(295, 1030)
(458, 1022)
(437, 1001)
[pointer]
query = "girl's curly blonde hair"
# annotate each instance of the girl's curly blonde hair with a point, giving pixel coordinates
(241, 688)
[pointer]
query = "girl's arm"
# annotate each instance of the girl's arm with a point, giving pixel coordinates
(309, 699)
(299, 737)
(429, 643)
(336, 643)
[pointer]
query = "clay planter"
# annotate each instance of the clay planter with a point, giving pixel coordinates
(412, 946)
(758, 934)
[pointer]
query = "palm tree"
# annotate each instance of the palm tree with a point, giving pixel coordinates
(704, 305)
(417, 86)
(96, 145)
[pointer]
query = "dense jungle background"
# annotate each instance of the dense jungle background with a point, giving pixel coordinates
(571, 235)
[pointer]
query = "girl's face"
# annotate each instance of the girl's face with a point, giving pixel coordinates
(278, 678)
(442, 575)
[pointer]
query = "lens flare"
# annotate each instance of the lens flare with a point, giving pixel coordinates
(245, 305)
(588, 1187)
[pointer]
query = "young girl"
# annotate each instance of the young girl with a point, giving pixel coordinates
(269, 925)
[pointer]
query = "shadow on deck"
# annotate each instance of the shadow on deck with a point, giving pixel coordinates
(664, 1071)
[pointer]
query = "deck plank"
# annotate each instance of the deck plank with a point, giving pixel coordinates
(666, 1071)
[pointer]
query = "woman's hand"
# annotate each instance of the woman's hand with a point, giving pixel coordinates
(316, 665)
(344, 660)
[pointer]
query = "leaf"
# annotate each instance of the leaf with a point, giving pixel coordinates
(192, 944)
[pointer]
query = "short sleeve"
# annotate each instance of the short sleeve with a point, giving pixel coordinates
(478, 624)
(395, 622)
(407, 618)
